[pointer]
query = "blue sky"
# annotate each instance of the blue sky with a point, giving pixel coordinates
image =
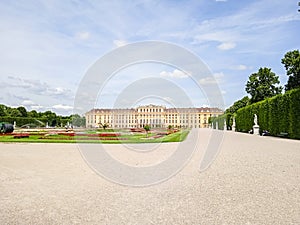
(48, 46)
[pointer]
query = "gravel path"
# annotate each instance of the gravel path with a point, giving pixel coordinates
(254, 180)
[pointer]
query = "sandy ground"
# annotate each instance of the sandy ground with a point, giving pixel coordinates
(254, 180)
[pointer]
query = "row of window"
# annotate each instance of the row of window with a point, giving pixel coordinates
(150, 110)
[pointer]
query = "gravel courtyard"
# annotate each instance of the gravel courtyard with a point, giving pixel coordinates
(253, 180)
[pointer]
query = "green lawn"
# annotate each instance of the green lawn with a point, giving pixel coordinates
(124, 138)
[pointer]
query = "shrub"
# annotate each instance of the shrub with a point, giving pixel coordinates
(279, 114)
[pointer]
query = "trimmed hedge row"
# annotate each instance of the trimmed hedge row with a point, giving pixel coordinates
(279, 114)
(220, 120)
(40, 122)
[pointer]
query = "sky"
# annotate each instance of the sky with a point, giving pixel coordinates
(47, 48)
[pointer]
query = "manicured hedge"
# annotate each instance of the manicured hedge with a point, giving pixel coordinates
(220, 120)
(280, 114)
(40, 122)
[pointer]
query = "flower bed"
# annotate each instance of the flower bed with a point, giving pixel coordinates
(137, 130)
(21, 135)
(84, 138)
(90, 135)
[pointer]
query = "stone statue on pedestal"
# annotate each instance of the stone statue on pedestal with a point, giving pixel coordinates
(256, 126)
(255, 119)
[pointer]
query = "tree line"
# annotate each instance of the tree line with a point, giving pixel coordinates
(265, 84)
(277, 112)
(22, 117)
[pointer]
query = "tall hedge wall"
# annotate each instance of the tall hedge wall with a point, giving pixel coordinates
(220, 120)
(280, 114)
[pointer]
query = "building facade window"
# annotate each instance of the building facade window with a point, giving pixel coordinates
(155, 116)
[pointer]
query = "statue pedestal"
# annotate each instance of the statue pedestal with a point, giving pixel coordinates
(233, 128)
(256, 129)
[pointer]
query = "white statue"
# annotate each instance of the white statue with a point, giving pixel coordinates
(233, 123)
(255, 119)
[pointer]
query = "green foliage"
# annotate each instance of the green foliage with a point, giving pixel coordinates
(2, 110)
(79, 121)
(13, 112)
(23, 111)
(279, 114)
(262, 85)
(294, 113)
(33, 114)
(37, 119)
(291, 63)
(244, 118)
(103, 125)
(220, 121)
(238, 105)
(147, 128)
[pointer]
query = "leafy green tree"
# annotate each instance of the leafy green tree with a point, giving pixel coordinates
(2, 110)
(78, 121)
(51, 118)
(13, 112)
(23, 111)
(237, 105)
(33, 114)
(291, 63)
(147, 129)
(105, 125)
(262, 85)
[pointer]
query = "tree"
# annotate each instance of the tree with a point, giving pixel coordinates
(147, 129)
(32, 114)
(2, 110)
(237, 105)
(13, 112)
(262, 85)
(104, 125)
(51, 118)
(77, 120)
(291, 63)
(23, 111)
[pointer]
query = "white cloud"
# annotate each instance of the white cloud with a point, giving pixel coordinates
(226, 46)
(208, 80)
(62, 107)
(43, 49)
(28, 103)
(169, 100)
(40, 88)
(38, 107)
(83, 35)
(215, 79)
(175, 74)
(241, 67)
(120, 43)
(219, 75)
(207, 33)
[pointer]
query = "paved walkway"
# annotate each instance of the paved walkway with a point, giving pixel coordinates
(254, 180)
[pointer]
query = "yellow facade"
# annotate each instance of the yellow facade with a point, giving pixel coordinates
(153, 115)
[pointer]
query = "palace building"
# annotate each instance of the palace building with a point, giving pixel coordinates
(153, 115)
